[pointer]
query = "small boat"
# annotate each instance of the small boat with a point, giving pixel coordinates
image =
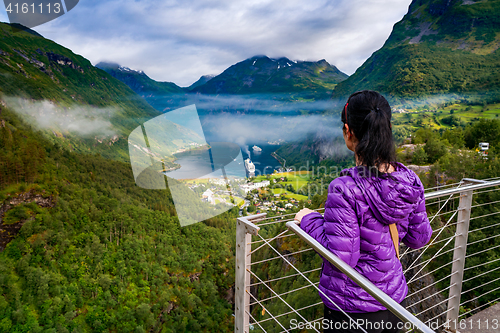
(256, 148)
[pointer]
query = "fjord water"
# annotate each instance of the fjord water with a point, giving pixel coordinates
(192, 161)
(264, 163)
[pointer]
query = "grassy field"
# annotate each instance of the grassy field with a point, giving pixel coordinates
(468, 113)
(446, 117)
(288, 194)
(195, 181)
(239, 201)
(297, 179)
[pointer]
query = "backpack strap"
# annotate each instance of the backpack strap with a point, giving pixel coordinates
(395, 237)
(392, 227)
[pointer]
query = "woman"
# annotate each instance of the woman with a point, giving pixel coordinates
(361, 205)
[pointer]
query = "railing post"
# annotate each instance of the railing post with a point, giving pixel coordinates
(463, 219)
(244, 231)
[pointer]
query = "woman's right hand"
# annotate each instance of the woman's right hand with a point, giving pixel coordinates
(301, 213)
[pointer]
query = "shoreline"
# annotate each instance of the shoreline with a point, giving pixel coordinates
(203, 147)
(175, 157)
(277, 157)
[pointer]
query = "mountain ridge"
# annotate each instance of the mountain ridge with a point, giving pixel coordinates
(261, 74)
(255, 75)
(56, 83)
(201, 81)
(439, 47)
(139, 81)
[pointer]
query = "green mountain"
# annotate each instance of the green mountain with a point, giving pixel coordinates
(79, 106)
(259, 81)
(201, 81)
(263, 75)
(439, 47)
(138, 81)
(82, 247)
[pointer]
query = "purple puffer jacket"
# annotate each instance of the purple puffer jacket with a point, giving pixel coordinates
(355, 227)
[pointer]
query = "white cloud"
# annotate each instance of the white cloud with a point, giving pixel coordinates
(77, 119)
(181, 40)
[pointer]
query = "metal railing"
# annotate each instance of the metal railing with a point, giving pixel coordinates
(455, 275)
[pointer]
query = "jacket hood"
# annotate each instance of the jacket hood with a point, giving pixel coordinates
(390, 200)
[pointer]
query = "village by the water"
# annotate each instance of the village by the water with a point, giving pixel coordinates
(257, 193)
(280, 191)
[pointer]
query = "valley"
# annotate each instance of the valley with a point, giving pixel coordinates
(86, 247)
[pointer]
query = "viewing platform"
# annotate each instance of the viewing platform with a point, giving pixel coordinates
(487, 320)
(451, 280)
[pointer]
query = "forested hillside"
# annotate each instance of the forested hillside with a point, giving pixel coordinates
(82, 247)
(95, 253)
(59, 88)
(439, 47)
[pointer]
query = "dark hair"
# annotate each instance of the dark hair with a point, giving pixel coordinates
(368, 115)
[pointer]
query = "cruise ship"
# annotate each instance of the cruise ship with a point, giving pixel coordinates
(250, 166)
(256, 148)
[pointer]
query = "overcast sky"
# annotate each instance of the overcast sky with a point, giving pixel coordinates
(180, 40)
